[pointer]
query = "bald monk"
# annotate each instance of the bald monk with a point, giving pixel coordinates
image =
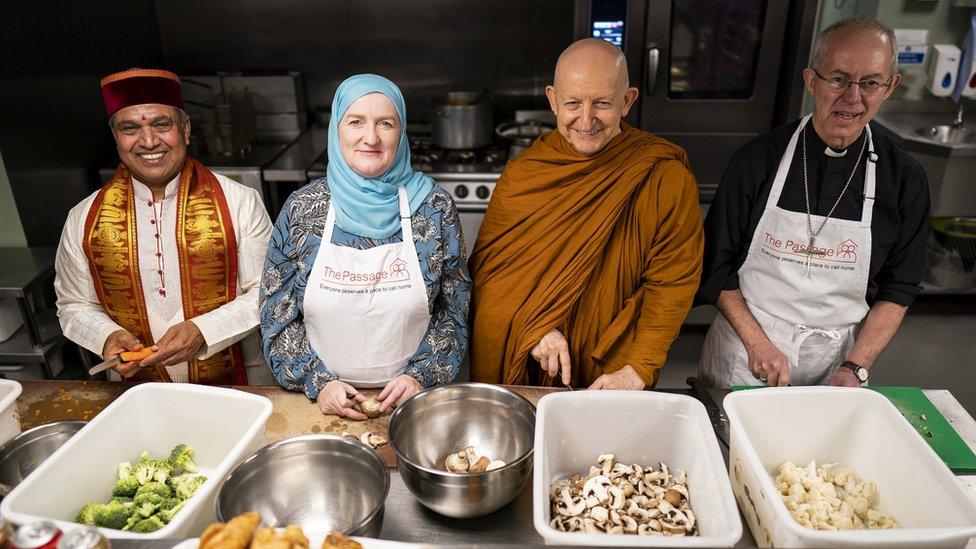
(590, 252)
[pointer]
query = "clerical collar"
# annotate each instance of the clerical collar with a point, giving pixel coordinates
(817, 143)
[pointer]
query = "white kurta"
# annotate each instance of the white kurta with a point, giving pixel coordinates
(84, 320)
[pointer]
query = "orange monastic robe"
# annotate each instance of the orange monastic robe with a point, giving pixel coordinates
(607, 249)
(207, 248)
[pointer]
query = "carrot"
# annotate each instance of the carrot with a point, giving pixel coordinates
(129, 356)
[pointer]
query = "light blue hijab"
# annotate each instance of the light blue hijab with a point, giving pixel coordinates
(363, 206)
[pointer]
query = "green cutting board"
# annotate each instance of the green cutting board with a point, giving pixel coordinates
(935, 429)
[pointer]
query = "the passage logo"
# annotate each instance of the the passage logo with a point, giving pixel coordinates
(844, 252)
(396, 272)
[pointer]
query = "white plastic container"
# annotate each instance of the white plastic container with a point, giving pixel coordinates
(9, 412)
(572, 429)
(222, 425)
(855, 428)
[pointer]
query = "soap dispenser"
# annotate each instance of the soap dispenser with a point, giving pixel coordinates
(943, 69)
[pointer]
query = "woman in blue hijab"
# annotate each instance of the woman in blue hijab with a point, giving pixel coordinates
(366, 282)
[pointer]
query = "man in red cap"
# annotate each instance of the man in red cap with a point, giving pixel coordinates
(166, 255)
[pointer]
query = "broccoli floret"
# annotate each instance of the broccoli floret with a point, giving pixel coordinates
(163, 470)
(166, 514)
(157, 488)
(87, 514)
(146, 504)
(126, 487)
(125, 470)
(186, 485)
(122, 499)
(181, 458)
(145, 471)
(113, 514)
(147, 525)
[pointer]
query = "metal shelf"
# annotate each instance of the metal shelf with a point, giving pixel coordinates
(19, 349)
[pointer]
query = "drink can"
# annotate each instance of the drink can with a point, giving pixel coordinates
(87, 537)
(36, 535)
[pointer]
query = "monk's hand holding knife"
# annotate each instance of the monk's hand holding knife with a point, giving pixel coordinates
(624, 379)
(338, 398)
(182, 342)
(552, 352)
(118, 342)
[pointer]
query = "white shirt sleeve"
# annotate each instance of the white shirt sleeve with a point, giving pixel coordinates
(82, 318)
(233, 321)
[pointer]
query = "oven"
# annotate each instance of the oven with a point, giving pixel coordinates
(712, 74)
(471, 192)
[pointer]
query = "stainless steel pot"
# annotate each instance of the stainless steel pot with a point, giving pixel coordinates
(522, 133)
(440, 421)
(320, 482)
(461, 120)
(26, 451)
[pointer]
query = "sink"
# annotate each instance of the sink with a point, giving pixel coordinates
(948, 135)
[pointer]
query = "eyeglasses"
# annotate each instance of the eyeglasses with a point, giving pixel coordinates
(841, 83)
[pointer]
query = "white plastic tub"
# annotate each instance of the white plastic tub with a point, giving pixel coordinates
(642, 427)
(222, 425)
(9, 412)
(855, 428)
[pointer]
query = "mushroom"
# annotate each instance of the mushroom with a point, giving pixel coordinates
(497, 464)
(456, 463)
(630, 525)
(471, 454)
(672, 496)
(480, 465)
(600, 514)
(371, 440)
(617, 498)
(597, 486)
(370, 407)
(570, 507)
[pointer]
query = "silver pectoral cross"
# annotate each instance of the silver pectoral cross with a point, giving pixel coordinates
(811, 251)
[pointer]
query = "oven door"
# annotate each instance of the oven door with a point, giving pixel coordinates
(707, 70)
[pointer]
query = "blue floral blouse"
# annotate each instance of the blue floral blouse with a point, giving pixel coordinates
(291, 254)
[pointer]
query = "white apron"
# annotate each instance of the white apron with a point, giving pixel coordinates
(366, 310)
(809, 313)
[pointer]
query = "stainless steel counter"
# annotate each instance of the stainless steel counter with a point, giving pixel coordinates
(408, 521)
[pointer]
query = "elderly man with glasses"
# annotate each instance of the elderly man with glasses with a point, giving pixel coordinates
(815, 244)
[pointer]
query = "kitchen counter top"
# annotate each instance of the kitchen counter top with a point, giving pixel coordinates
(405, 518)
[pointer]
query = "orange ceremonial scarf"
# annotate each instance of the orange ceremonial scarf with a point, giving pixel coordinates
(566, 232)
(207, 249)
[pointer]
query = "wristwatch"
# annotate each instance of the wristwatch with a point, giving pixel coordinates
(859, 371)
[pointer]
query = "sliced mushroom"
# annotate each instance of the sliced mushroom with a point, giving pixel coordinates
(630, 525)
(673, 496)
(371, 440)
(617, 498)
(471, 454)
(597, 486)
(570, 507)
(456, 463)
(600, 514)
(480, 465)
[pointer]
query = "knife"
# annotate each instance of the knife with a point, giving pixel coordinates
(110, 363)
(125, 356)
(715, 414)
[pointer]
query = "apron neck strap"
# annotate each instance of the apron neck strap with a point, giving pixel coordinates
(404, 217)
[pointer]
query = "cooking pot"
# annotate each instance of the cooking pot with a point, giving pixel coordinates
(460, 120)
(521, 133)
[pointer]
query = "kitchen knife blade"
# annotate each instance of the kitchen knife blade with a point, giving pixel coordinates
(110, 363)
(715, 414)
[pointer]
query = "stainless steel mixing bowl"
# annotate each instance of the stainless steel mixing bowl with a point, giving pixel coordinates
(23, 453)
(320, 482)
(428, 427)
